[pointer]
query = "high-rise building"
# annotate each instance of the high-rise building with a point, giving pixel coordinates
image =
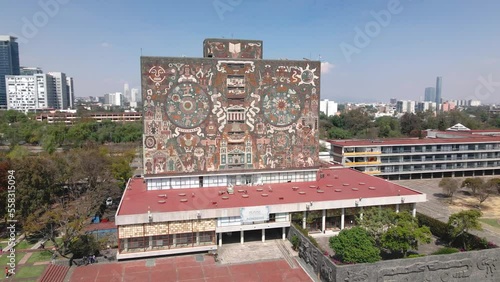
(393, 101)
(114, 99)
(329, 108)
(405, 106)
(60, 87)
(439, 83)
(30, 92)
(71, 92)
(426, 106)
(9, 64)
(126, 92)
(30, 70)
(430, 94)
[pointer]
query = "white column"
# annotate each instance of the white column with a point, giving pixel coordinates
(304, 217)
(323, 221)
(284, 233)
(125, 244)
(242, 236)
(220, 239)
(361, 213)
(150, 242)
(414, 211)
(197, 238)
(174, 241)
(342, 219)
(397, 208)
(263, 235)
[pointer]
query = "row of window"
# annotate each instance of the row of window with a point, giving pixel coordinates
(168, 241)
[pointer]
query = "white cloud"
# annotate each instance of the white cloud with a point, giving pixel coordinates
(326, 67)
(105, 45)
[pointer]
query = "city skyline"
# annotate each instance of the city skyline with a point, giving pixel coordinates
(379, 42)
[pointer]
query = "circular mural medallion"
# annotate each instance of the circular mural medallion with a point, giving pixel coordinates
(281, 105)
(150, 142)
(187, 105)
(307, 76)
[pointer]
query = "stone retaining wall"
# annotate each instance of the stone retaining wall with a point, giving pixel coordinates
(475, 266)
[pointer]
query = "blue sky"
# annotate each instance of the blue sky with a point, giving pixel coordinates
(98, 42)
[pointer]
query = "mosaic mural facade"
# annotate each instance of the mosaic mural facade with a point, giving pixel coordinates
(215, 114)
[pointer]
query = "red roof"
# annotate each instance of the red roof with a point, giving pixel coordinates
(101, 226)
(413, 141)
(337, 184)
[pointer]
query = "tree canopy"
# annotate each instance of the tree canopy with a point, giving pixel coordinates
(355, 245)
(459, 224)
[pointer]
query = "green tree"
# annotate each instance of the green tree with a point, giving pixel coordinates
(376, 221)
(405, 235)
(410, 122)
(473, 184)
(449, 186)
(354, 246)
(339, 133)
(459, 225)
(494, 183)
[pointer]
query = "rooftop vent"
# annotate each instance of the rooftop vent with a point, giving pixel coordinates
(182, 194)
(320, 191)
(338, 190)
(162, 202)
(260, 189)
(355, 189)
(302, 193)
(361, 183)
(244, 196)
(225, 197)
(295, 188)
(265, 195)
(312, 186)
(162, 196)
(184, 200)
(345, 184)
(241, 191)
(329, 185)
(371, 188)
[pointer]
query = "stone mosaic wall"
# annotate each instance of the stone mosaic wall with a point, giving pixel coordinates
(207, 114)
(163, 228)
(232, 48)
(474, 266)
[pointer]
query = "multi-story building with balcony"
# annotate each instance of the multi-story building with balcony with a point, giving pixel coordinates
(440, 154)
(231, 152)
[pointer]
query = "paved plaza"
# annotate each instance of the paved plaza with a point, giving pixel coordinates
(192, 268)
(437, 206)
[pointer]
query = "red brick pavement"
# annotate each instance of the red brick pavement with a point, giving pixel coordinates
(187, 269)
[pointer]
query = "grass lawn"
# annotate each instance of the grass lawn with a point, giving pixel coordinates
(24, 245)
(491, 221)
(40, 256)
(4, 259)
(33, 271)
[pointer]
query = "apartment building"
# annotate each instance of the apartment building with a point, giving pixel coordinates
(441, 154)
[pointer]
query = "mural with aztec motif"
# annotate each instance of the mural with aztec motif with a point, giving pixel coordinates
(229, 111)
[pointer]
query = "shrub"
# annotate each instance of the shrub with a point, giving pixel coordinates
(305, 233)
(295, 240)
(415, 256)
(445, 251)
(438, 228)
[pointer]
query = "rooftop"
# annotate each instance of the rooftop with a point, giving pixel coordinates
(469, 138)
(336, 184)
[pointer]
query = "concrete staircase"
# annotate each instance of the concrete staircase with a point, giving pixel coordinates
(286, 254)
(54, 273)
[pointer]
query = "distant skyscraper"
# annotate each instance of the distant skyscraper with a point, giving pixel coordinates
(71, 91)
(59, 84)
(439, 83)
(393, 101)
(126, 92)
(114, 99)
(430, 94)
(30, 71)
(9, 64)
